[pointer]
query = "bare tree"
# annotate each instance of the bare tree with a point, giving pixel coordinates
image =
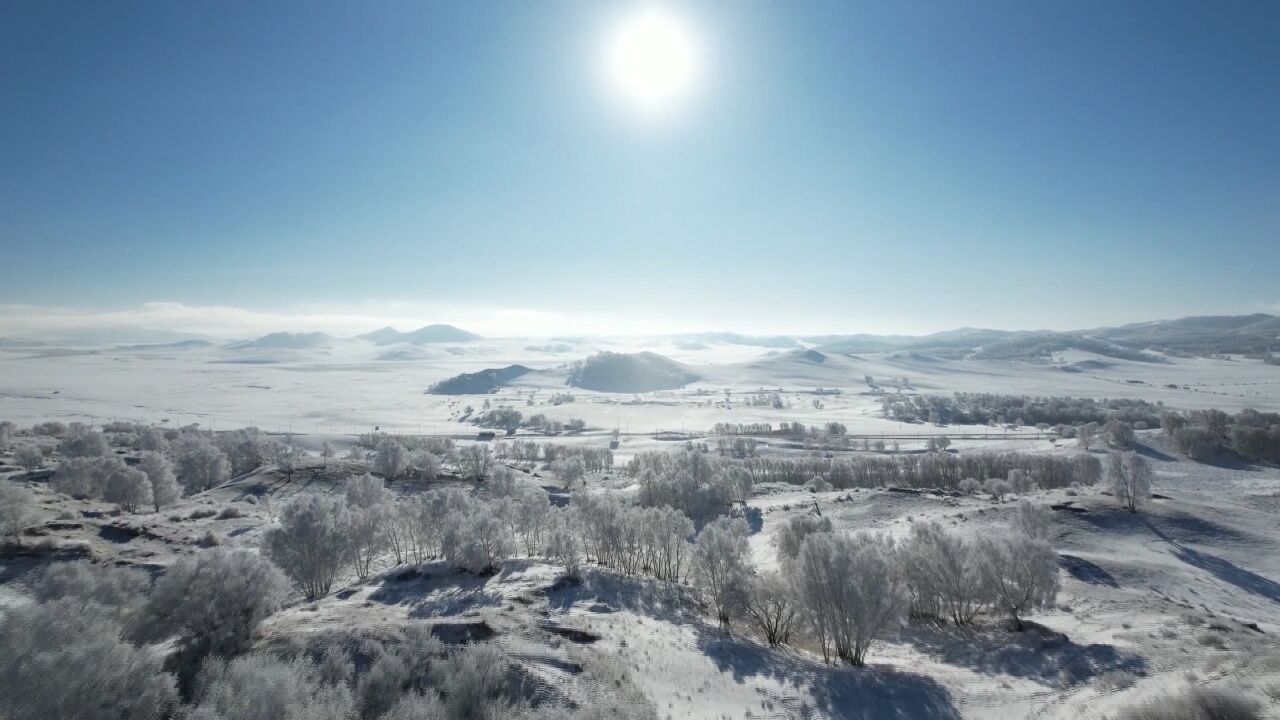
(770, 602)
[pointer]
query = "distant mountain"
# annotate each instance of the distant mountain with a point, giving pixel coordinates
(732, 338)
(163, 347)
(478, 383)
(286, 341)
(421, 336)
(629, 373)
(1190, 335)
(1200, 335)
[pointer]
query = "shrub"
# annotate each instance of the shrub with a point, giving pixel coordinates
(113, 588)
(83, 442)
(1197, 704)
(17, 511)
(260, 687)
(28, 457)
(64, 660)
(213, 601)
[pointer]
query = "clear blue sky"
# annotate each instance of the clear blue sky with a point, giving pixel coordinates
(896, 166)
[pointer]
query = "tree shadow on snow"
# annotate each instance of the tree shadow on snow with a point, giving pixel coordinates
(1085, 571)
(607, 591)
(1037, 653)
(435, 589)
(1224, 570)
(867, 693)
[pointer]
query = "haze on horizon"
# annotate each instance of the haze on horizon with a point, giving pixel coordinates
(564, 168)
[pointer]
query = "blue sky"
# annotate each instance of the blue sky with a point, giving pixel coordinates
(843, 167)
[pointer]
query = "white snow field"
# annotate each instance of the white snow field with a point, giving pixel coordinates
(349, 386)
(1184, 594)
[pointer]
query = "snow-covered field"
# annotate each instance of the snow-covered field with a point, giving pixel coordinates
(1182, 594)
(350, 386)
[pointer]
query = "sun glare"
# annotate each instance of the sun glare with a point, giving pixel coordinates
(653, 61)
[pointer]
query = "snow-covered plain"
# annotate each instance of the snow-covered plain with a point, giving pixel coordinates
(350, 386)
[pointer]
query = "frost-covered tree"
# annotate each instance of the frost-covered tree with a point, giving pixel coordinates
(942, 574)
(6, 435)
(83, 442)
(1020, 482)
(262, 687)
(478, 682)
(128, 488)
(1130, 477)
(970, 486)
(245, 449)
(213, 601)
(850, 591)
(29, 456)
(62, 659)
(770, 603)
(532, 513)
(368, 504)
(425, 464)
(86, 477)
(116, 590)
(997, 488)
(791, 534)
(366, 491)
(17, 511)
(417, 706)
(164, 485)
(311, 543)
(569, 470)
(287, 457)
(1021, 573)
(326, 453)
(200, 464)
(152, 439)
(1034, 521)
(477, 541)
(474, 461)
(1119, 434)
(390, 459)
(564, 546)
(722, 566)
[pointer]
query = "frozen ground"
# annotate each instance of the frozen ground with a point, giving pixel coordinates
(1184, 594)
(350, 386)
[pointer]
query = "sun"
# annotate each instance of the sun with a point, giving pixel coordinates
(653, 61)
